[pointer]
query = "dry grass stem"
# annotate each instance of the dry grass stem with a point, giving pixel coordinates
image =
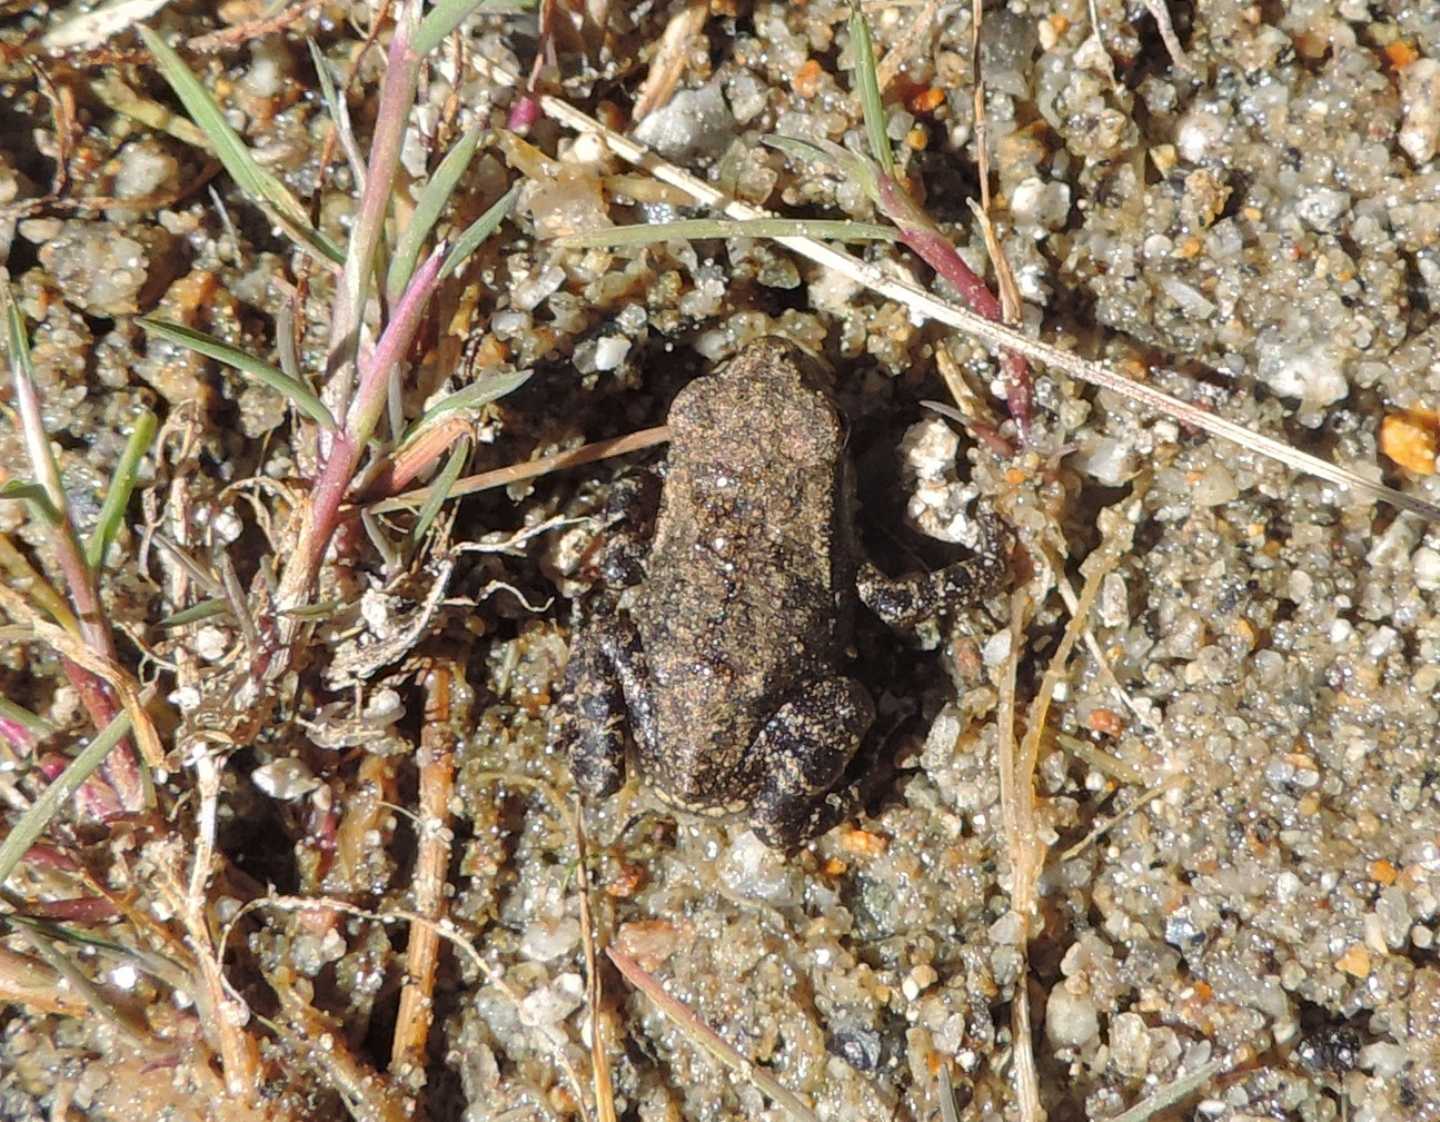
(898, 55)
(1103, 828)
(222, 1014)
(599, 1057)
(1160, 12)
(436, 765)
(26, 577)
(1017, 810)
(1101, 760)
(1170, 1095)
(35, 986)
(670, 56)
(321, 1042)
(1024, 848)
(531, 469)
(105, 669)
(706, 1038)
(444, 928)
(927, 305)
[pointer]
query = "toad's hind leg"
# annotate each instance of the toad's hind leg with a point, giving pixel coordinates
(604, 680)
(802, 752)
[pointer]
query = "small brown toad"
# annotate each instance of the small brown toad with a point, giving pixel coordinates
(728, 661)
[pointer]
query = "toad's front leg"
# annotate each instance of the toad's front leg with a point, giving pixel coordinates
(802, 751)
(605, 679)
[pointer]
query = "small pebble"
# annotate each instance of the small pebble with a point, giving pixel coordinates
(1410, 439)
(1071, 1020)
(1420, 93)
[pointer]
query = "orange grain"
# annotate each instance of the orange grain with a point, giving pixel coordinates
(807, 79)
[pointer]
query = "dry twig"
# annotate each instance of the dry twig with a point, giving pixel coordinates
(444, 709)
(531, 469)
(669, 62)
(708, 1039)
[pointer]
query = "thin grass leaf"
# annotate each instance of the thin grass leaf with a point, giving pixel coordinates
(868, 87)
(206, 609)
(339, 113)
(32, 494)
(300, 395)
(37, 444)
(948, 1110)
(473, 396)
(440, 490)
(157, 965)
(390, 558)
(447, 15)
(197, 572)
(77, 980)
(698, 228)
(33, 822)
(475, 233)
(323, 610)
(35, 725)
(433, 197)
(1172, 1093)
(117, 495)
(262, 187)
(832, 155)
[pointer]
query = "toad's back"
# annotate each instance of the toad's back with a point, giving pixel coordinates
(750, 580)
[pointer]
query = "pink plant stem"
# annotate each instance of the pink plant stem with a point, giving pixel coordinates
(919, 233)
(80, 909)
(523, 113)
(322, 513)
(18, 735)
(397, 102)
(394, 341)
(120, 767)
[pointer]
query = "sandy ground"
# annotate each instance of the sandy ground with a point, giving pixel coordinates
(1240, 816)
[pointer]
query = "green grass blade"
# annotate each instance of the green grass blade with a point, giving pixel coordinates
(33, 822)
(206, 609)
(447, 15)
(433, 197)
(441, 490)
(37, 443)
(478, 231)
(642, 234)
(830, 154)
(473, 396)
(339, 113)
(868, 87)
(117, 497)
(262, 187)
(300, 395)
(29, 492)
(323, 610)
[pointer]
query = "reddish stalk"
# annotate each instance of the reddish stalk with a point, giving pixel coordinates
(397, 100)
(922, 235)
(120, 768)
(322, 513)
